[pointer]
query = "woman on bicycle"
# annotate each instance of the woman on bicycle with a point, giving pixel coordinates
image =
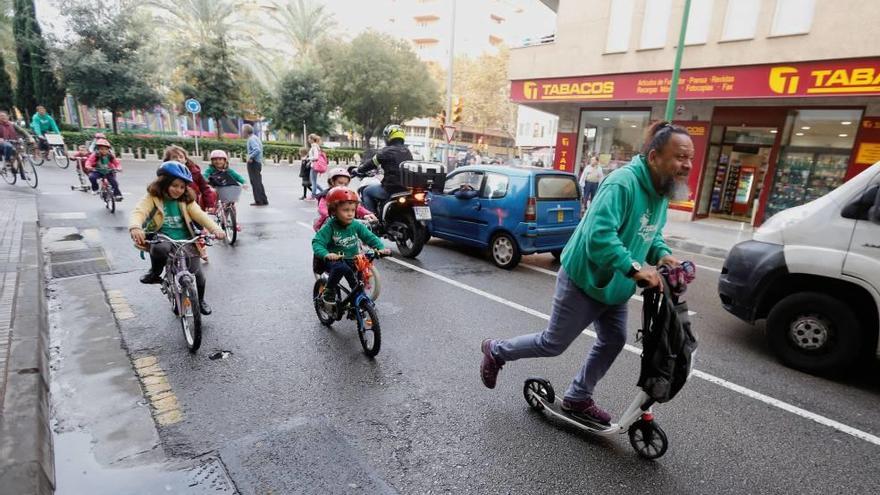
(338, 177)
(339, 240)
(103, 165)
(170, 208)
(205, 195)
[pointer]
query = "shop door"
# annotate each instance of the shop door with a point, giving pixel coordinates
(736, 164)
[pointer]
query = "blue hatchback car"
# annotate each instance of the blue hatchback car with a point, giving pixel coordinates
(509, 210)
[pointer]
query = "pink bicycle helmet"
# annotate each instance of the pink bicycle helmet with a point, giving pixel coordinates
(337, 172)
(219, 154)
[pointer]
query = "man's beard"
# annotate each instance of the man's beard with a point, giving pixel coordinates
(675, 188)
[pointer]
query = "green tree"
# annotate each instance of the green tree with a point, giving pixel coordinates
(301, 99)
(486, 100)
(375, 80)
(210, 79)
(37, 84)
(7, 41)
(5, 87)
(304, 25)
(103, 65)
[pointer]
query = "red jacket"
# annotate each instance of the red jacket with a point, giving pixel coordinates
(92, 161)
(199, 184)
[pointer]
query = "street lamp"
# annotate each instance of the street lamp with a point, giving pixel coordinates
(676, 69)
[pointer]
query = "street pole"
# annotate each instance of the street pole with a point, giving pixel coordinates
(673, 88)
(305, 141)
(449, 81)
(197, 126)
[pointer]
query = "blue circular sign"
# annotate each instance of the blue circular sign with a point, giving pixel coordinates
(193, 105)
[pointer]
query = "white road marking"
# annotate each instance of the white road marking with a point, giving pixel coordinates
(305, 225)
(553, 274)
(73, 215)
(766, 399)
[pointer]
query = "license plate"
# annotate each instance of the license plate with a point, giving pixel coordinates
(560, 216)
(422, 212)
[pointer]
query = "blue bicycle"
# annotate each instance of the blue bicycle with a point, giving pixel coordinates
(353, 303)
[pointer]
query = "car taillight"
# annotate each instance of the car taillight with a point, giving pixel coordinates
(531, 210)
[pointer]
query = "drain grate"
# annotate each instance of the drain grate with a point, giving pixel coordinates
(67, 264)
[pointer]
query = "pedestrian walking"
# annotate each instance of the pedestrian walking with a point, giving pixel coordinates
(305, 173)
(255, 165)
(591, 176)
(318, 162)
(601, 265)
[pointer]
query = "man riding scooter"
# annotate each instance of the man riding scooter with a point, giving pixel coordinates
(602, 264)
(389, 159)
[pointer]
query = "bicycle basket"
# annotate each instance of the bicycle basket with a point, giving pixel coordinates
(363, 265)
(54, 139)
(229, 194)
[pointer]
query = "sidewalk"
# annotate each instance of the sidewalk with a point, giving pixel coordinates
(709, 237)
(26, 462)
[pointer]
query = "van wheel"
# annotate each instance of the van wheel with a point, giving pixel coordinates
(814, 332)
(505, 251)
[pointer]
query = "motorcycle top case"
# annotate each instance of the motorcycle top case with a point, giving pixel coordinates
(418, 174)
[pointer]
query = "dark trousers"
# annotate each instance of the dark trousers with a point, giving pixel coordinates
(255, 174)
(7, 150)
(95, 176)
(590, 189)
(159, 257)
(339, 269)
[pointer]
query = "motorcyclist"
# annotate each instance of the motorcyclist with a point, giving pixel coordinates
(389, 159)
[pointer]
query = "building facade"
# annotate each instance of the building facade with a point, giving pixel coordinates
(782, 97)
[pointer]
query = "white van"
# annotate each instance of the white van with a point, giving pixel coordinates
(813, 272)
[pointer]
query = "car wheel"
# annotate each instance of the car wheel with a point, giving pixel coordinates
(814, 332)
(505, 251)
(557, 254)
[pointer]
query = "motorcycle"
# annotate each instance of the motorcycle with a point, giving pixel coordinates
(403, 218)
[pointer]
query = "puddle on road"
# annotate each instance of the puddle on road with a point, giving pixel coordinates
(77, 472)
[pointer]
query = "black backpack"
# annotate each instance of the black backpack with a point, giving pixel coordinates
(668, 344)
(222, 178)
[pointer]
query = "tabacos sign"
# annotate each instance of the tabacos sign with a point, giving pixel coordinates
(806, 79)
(791, 80)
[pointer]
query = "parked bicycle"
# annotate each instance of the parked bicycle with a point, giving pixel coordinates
(225, 212)
(179, 285)
(353, 303)
(21, 165)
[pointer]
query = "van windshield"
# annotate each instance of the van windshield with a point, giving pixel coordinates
(557, 187)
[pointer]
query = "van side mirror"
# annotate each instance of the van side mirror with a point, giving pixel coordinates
(874, 211)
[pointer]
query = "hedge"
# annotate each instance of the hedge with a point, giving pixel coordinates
(145, 145)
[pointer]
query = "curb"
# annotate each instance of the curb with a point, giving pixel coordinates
(26, 447)
(695, 247)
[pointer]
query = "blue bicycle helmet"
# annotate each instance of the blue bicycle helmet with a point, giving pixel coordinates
(175, 169)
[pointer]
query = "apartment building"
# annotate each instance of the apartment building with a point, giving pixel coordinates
(780, 96)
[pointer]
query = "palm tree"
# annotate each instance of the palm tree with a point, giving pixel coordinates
(303, 24)
(195, 23)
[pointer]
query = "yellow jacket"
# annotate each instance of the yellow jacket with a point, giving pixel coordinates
(191, 212)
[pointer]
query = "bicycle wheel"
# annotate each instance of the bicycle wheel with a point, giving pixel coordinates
(190, 315)
(231, 225)
(29, 173)
(374, 287)
(369, 332)
(324, 316)
(38, 158)
(59, 155)
(10, 174)
(109, 200)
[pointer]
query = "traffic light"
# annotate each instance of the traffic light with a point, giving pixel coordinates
(456, 111)
(441, 117)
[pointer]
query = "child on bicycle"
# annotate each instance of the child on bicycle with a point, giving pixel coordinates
(102, 164)
(219, 174)
(170, 208)
(338, 177)
(338, 241)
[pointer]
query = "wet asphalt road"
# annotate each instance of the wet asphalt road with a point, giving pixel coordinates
(297, 408)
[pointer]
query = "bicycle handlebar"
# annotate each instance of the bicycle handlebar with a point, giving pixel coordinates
(160, 237)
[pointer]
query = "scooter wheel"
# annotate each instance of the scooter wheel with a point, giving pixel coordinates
(648, 439)
(538, 387)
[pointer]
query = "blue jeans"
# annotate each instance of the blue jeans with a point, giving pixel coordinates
(316, 188)
(573, 311)
(372, 196)
(337, 270)
(7, 150)
(590, 189)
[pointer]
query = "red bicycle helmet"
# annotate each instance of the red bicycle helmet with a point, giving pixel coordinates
(341, 195)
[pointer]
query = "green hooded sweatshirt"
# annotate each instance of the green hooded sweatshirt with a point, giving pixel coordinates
(624, 224)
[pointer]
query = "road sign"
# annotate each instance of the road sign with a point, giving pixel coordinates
(450, 132)
(193, 106)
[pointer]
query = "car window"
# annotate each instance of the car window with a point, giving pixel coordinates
(470, 181)
(495, 186)
(557, 187)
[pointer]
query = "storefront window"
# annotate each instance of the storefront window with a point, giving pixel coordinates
(612, 136)
(814, 156)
